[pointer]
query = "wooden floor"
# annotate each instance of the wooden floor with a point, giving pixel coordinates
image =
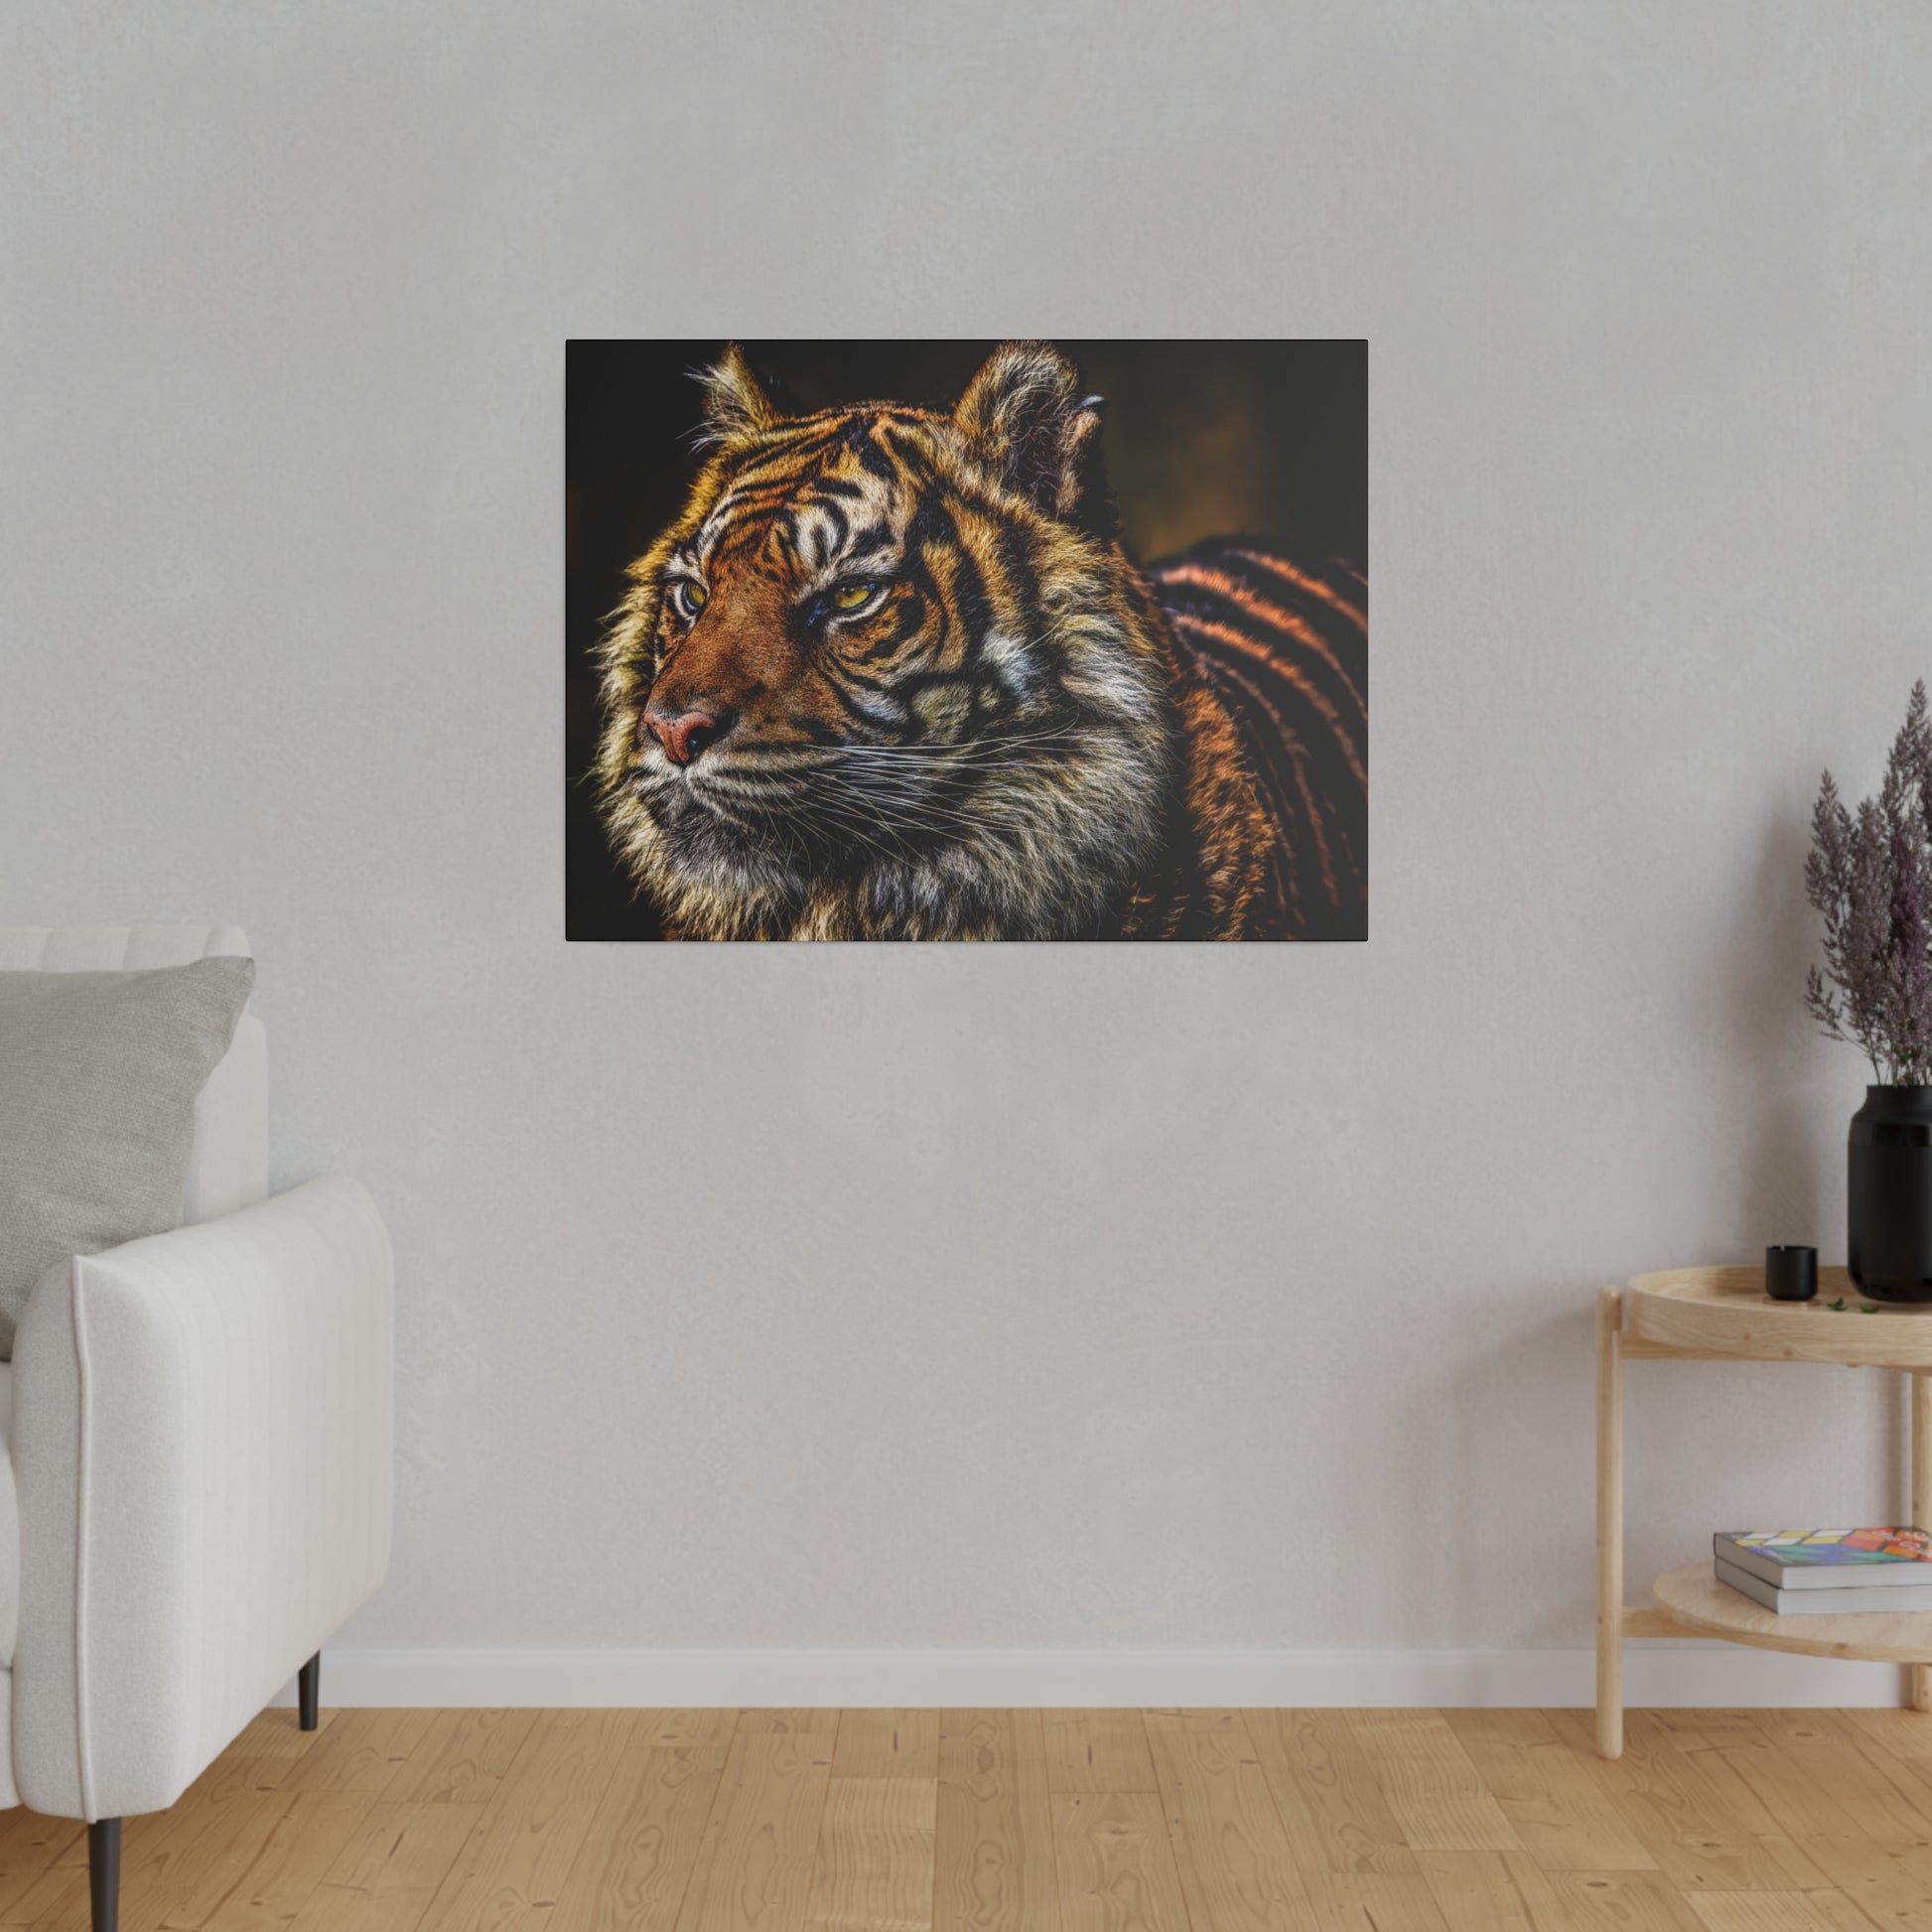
(1029, 1821)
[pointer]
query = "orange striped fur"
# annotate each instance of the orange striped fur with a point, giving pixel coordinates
(891, 675)
(1286, 647)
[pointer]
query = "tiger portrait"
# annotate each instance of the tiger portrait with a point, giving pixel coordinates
(892, 672)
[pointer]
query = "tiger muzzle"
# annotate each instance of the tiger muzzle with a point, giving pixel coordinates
(685, 734)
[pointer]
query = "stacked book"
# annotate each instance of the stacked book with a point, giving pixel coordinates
(1828, 1572)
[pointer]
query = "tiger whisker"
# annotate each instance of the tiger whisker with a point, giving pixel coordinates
(981, 749)
(848, 807)
(821, 786)
(855, 828)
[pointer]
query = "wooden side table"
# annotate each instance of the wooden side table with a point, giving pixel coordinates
(1704, 1314)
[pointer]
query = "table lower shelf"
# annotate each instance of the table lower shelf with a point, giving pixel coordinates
(1694, 1600)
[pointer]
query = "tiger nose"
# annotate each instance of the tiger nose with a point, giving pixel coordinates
(685, 734)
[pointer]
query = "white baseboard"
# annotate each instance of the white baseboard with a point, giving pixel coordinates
(1655, 1674)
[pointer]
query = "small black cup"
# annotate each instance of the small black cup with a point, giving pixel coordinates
(1791, 1274)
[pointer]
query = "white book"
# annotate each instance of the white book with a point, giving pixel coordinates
(1895, 1598)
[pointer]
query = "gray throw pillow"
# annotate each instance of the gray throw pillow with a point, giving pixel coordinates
(99, 1074)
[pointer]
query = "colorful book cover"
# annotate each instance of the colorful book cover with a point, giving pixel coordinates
(1821, 1549)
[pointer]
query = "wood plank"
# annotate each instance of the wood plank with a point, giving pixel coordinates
(61, 1898)
(1899, 1751)
(362, 1750)
(1097, 1750)
(1116, 1867)
(55, 1892)
(294, 1859)
(799, 1722)
(1712, 1782)
(1232, 1725)
(1774, 1795)
(1801, 1871)
(1555, 1800)
(1436, 1793)
(644, 1843)
(228, 1776)
(31, 1847)
(462, 1759)
(279, 1734)
(1373, 1901)
(886, 1744)
(758, 1862)
(1779, 1911)
(1697, 1729)
(1697, 1842)
(1890, 1885)
(1490, 1891)
(1616, 1902)
(686, 1727)
(1887, 1802)
(994, 1866)
(513, 1868)
(1332, 1807)
(1709, 1773)
(385, 1876)
(1237, 1870)
(1900, 1734)
(873, 1869)
(191, 1856)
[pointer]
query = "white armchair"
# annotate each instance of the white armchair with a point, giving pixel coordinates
(199, 1480)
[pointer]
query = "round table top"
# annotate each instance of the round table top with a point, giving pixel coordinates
(1726, 1311)
(1694, 1598)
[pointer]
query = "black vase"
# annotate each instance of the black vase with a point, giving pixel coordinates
(1890, 1200)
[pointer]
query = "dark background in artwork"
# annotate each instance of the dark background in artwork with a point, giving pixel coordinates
(1263, 438)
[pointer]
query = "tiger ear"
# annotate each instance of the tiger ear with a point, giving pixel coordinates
(735, 402)
(1027, 421)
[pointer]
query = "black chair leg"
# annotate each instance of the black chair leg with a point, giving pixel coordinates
(104, 1872)
(308, 1685)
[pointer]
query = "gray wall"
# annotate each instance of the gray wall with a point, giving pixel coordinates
(1033, 1297)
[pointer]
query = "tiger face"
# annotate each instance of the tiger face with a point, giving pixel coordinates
(889, 675)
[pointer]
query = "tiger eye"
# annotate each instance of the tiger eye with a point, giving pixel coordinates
(848, 597)
(689, 598)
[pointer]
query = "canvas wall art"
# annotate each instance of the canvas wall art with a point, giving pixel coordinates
(910, 640)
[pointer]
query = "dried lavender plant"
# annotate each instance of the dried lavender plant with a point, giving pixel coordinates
(1868, 875)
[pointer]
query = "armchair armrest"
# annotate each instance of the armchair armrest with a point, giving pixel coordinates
(203, 1452)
